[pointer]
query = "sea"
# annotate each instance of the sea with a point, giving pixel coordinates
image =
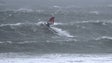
(80, 34)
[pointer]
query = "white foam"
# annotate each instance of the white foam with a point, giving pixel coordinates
(25, 42)
(10, 42)
(94, 12)
(16, 24)
(62, 32)
(25, 10)
(56, 6)
(1, 42)
(92, 21)
(104, 37)
(40, 23)
(60, 58)
(39, 11)
(58, 24)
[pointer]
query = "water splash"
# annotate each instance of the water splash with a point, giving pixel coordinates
(61, 32)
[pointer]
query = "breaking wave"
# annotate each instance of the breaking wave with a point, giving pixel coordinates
(104, 37)
(61, 32)
(29, 30)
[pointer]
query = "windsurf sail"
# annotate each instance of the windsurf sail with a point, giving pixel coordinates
(50, 22)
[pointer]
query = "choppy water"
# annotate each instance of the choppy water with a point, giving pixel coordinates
(56, 58)
(79, 30)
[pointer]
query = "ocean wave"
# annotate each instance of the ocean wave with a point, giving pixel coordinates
(25, 10)
(54, 47)
(28, 10)
(58, 31)
(27, 31)
(56, 6)
(16, 24)
(1, 42)
(62, 32)
(17, 42)
(95, 21)
(94, 12)
(55, 58)
(101, 22)
(105, 42)
(104, 37)
(19, 31)
(104, 22)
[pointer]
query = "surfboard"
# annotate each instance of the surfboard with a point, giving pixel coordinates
(51, 29)
(45, 26)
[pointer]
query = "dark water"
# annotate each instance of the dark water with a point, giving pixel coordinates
(80, 30)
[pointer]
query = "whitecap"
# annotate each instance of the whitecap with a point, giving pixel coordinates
(61, 32)
(94, 12)
(10, 42)
(40, 23)
(25, 10)
(104, 37)
(55, 58)
(16, 24)
(56, 6)
(58, 23)
(1, 42)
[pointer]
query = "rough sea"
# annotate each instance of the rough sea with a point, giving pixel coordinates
(83, 35)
